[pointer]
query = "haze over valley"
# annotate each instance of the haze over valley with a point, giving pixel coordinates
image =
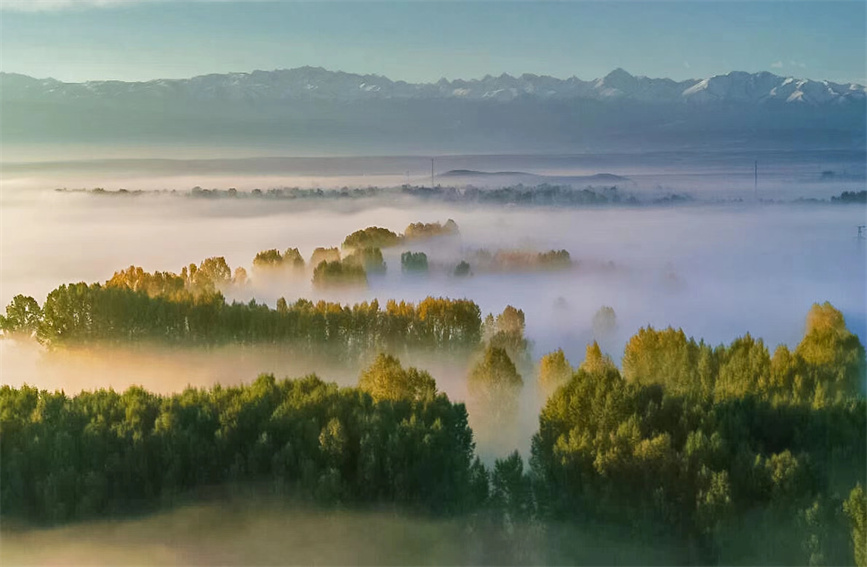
(312, 316)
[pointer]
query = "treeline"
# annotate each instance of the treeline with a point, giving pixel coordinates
(81, 313)
(728, 453)
(541, 195)
(849, 197)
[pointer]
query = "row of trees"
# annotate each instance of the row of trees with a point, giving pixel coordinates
(81, 313)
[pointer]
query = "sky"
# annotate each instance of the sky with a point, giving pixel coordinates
(78, 40)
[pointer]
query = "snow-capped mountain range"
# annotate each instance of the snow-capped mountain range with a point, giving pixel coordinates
(315, 83)
(313, 110)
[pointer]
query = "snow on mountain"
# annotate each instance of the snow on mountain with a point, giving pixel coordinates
(318, 83)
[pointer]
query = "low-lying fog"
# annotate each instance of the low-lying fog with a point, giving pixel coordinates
(254, 531)
(718, 270)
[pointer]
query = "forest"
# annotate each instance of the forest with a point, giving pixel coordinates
(728, 453)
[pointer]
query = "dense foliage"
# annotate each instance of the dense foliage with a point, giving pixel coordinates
(104, 452)
(730, 454)
(738, 453)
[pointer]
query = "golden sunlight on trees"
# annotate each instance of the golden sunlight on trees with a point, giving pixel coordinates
(321, 254)
(371, 237)
(554, 371)
(386, 379)
(595, 362)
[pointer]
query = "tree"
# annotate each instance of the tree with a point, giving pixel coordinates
(293, 259)
(511, 491)
(324, 255)
(213, 274)
(329, 274)
(834, 355)
(494, 384)
(508, 332)
(604, 322)
(856, 510)
(240, 277)
(595, 362)
(22, 316)
(413, 262)
(462, 270)
(371, 237)
(386, 379)
(368, 258)
(268, 259)
(554, 371)
(420, 230)
(664, 357)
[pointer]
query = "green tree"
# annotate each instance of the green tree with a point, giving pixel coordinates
(331, 274)
(413, 262)
(494, 385)
(462, 270)
(368, 258)
(856, 510)
(386, 379)
(371, 237)
(23, 315)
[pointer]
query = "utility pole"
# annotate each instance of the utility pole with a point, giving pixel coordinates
(756, 181)
(431, 173)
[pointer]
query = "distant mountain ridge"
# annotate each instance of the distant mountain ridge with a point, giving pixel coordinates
(316, 83)
(312, 110)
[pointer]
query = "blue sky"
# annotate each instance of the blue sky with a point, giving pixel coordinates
(75, 40)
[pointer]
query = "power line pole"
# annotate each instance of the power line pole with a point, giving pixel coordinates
(756, 181)
(431, 173)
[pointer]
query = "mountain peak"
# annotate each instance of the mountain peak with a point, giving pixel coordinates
(619, 74)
